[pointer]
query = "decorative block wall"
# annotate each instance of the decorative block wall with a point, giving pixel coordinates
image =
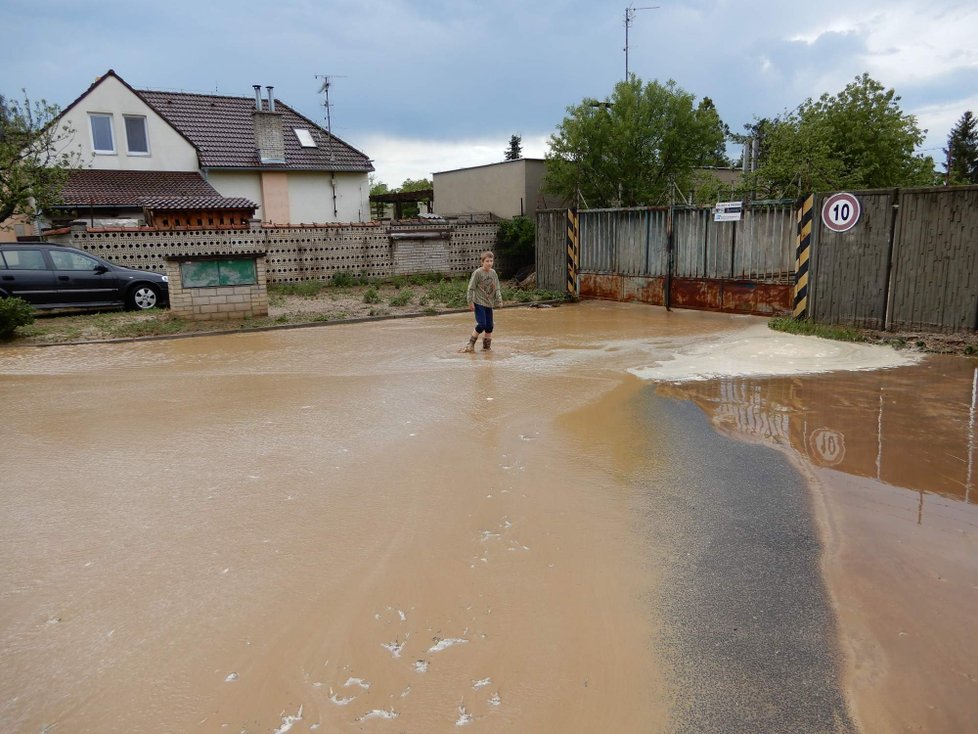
(301, 253)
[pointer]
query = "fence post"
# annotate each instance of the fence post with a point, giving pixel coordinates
(573, 253)
(802, 254)
(888, 281)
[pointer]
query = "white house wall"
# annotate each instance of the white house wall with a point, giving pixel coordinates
(311, 197)
(237, 183)
(168, 150)
(310, 194)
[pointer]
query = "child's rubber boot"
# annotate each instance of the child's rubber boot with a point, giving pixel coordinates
(470, 347)
(487, 344)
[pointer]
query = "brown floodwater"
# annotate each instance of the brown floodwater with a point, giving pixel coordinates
(356, 528)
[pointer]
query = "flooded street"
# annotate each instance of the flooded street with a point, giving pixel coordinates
(356, 528)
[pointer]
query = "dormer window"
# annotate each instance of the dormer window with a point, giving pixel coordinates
(102, 139)
(305, 137)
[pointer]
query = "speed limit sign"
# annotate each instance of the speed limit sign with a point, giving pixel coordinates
(840, 212)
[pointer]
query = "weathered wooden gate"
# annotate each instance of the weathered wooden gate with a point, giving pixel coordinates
(744, 266)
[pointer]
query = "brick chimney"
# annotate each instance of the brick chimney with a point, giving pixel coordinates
(269, 138)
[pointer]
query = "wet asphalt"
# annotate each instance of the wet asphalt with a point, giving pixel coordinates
(748, 628)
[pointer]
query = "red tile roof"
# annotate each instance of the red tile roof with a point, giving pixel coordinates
(130, 189)
(222, 129)
(182, 203)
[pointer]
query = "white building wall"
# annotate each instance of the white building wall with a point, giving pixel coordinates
(237, 183)
(168, 150)
(310, 194)
(311, 197)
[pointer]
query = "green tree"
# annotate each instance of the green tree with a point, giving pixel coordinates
(857, 139)
(516, 244)
(961, 162)
(515, 150)
(629, 149)
(410, 209)
(35, 156)
(718, 133)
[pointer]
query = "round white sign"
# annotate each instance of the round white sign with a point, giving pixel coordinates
(840, 212)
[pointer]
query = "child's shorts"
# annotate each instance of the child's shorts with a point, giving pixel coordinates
(483, 319)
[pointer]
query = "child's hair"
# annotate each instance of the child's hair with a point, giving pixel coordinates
(484, 255)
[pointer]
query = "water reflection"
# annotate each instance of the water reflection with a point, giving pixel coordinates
(912, 427)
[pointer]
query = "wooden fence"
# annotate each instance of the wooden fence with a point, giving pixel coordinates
(910, 262)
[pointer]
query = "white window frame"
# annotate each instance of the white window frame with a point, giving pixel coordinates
(129, 150)
(92, 116)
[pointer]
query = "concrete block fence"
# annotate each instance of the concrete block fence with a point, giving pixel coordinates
(302, 253)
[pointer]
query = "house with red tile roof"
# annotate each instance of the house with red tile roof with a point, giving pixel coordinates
(218, 153)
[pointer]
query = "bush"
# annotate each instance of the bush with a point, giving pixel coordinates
(13, 313)
(371, 295)
(344, 280)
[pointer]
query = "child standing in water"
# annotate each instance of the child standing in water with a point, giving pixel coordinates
(483, 294)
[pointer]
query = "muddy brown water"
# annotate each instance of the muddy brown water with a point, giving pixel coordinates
(356, 528)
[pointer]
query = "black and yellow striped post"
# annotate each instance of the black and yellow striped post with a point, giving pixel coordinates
(573, 253)
(802, 253)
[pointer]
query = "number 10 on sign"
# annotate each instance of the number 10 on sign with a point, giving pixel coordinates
(840, 212)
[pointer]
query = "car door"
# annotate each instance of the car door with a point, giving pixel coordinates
(25, 274)
(82, 279)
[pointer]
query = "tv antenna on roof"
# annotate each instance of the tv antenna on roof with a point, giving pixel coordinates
(630, 12)
(324, 90)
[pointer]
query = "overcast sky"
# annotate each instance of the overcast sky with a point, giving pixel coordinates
(431, 85)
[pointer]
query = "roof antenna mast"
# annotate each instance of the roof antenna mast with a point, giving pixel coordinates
(630, 12)
(324, 90)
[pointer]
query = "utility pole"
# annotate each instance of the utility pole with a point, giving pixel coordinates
(630, 12)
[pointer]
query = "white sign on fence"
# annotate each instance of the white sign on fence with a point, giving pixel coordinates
(728, 211)
(840, 212)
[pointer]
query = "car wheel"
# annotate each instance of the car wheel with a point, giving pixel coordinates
(142, 297)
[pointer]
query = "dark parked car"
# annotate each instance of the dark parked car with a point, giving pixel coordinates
(53, 276)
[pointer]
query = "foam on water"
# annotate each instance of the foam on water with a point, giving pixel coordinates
(464, 717)
(760, 351)
(289, 721)
(394, 648)
(446, 643)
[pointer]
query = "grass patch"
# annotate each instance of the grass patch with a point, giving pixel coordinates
(521, 295)
(810, 328)
(402, 298)
(159, 325)
(451, 293)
